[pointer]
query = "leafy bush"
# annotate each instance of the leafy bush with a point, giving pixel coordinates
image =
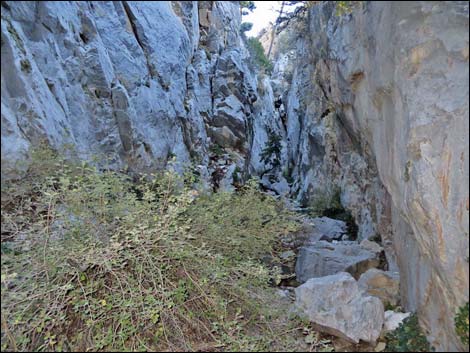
(258, 55)
(408, 337)
(461, 323)
(248, 5)
(25, 66)
(328, 200)
(245, 27)
(346, 7)
(216, 149)
(94, 261)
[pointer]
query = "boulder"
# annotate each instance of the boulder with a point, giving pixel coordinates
(223, 136)
(322, 258)
(336, 305)
(392, 320)
(328, 229)
(382, 284)
(281, 187)
(371, 246)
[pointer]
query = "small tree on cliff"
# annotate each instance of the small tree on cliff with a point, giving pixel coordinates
(246, 6)
(294, 10)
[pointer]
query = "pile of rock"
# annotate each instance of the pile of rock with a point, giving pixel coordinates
(343, 291)
(323, 258)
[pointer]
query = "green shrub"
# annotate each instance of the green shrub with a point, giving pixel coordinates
(216, 149)
(245, 27)
(247, 6)
(25, 66)
(461, 323)
(407, 171)
(14, 34)
(325, 201)
(96, 261)
(346, 7)
(287, 174)
(250, 5)
(257, 53)
(408, 337)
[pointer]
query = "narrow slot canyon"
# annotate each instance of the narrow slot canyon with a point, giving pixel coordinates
(173, 182)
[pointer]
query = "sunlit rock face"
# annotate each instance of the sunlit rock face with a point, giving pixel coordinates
(139, 83)
(377, 107)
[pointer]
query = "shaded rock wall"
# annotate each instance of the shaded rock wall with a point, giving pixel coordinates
(377, 107)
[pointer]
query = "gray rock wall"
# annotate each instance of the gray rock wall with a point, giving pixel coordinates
(135, 82)
(378, 108)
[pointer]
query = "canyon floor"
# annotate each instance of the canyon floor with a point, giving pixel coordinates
(97, 260)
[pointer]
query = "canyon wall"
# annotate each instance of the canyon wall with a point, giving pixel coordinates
(137, 83)
(370, 107)
(377, 110)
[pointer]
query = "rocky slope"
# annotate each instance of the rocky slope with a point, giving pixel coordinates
(369, 106)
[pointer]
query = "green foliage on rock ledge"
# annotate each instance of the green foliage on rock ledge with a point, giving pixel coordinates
(346, 7)
(245, 27)
(323, 200)
(94, 261)
(271, 153)
(408, 337)
(248, 5)
(461, 323)
(258, 55)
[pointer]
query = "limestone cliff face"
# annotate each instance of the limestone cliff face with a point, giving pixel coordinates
(377, 107)
(135, 82)
(373, 105)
